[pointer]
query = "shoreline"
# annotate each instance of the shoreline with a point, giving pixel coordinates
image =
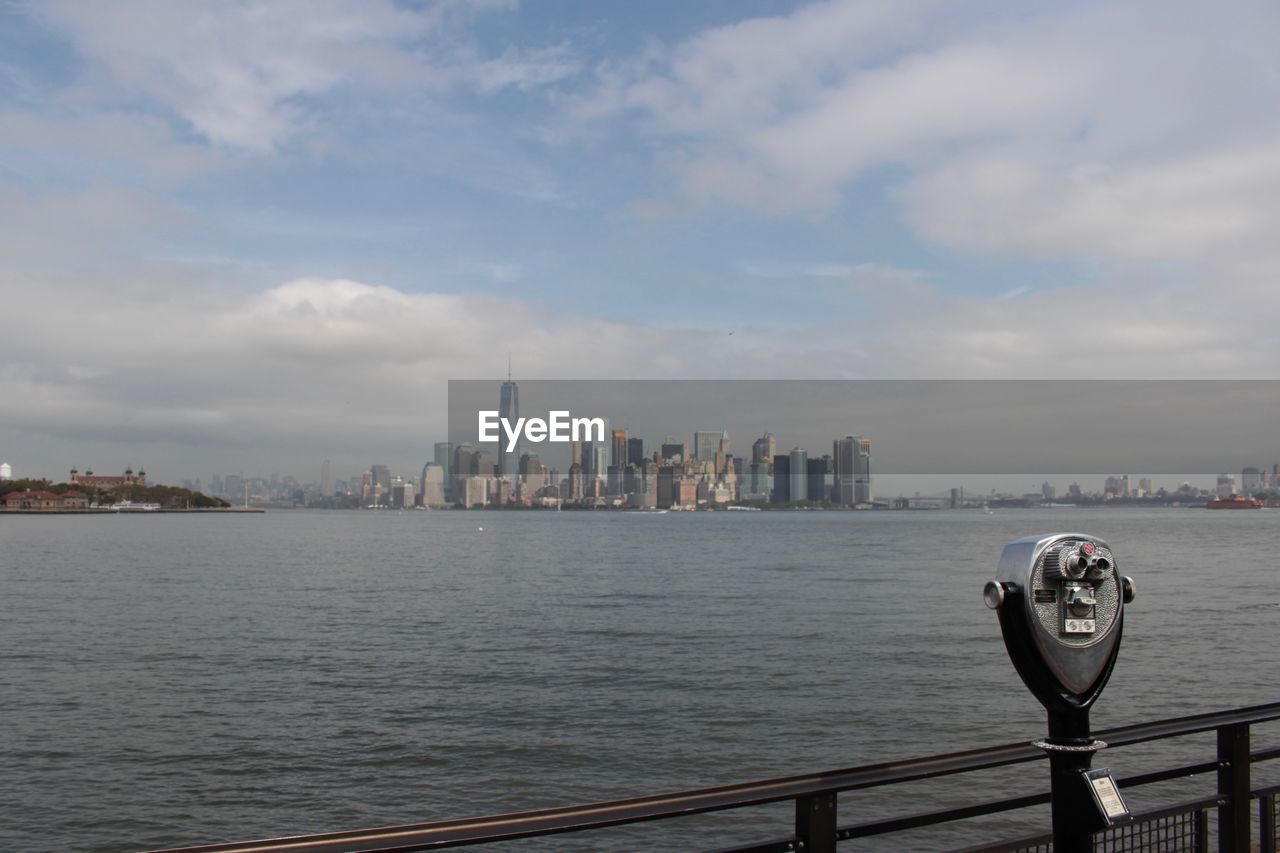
(162, 510)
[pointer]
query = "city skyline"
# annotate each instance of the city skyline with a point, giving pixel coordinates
(981, 407)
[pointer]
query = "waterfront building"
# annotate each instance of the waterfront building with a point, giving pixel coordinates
(844, 452)
(108, 481)
(759, 481)
(532, 471)
(1226, 485)
(862, 470)
(600, 460)
(484, 464)
(686, 491)
(433, 480)
(799, 474)
(816, 478)
(1250, 481)
(402, 493)
(577, 484)
(1047, 491)
(475, 491)
(464, 458)
(45, 501)
(442, 456)
(326, 479)
(666, 490)
(380, 475)
(781, 478)
(502, 491)
(619, 463)
(730, 480)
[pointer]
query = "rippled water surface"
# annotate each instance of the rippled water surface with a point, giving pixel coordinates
(179, 679)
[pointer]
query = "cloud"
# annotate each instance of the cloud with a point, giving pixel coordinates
(255, 76)
(1208, 206)
(1095, 129)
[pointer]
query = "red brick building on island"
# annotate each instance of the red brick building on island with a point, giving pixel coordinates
(106, 481)
(30, 501)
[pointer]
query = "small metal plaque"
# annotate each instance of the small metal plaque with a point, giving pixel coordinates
(1079, 626)
(1106, 796)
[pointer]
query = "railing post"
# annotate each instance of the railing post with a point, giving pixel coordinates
(1200, 825)
(1267, 823)
(816, 823)
(1234, 828)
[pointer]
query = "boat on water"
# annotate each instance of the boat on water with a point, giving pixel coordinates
(130, 506)
(1234, 502)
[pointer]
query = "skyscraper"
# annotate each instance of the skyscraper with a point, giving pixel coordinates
(843, 451)
(781, 479)
(799, 475)
(464, 460)
(816, 484)
(600, 466)
(433, 485)
(763, 449)
(862, 470)
(508, 409)
(326, 480)
(619, 466)
(444, 459)
(705, 445)
(674, 450)
(852, 459)
(619, 440)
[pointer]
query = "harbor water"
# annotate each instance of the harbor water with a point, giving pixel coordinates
(175, 679)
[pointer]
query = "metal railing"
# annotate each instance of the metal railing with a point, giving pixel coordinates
(1181, 826)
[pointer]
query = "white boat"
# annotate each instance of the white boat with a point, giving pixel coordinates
(130, 506)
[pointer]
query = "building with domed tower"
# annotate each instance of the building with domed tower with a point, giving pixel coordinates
(108, 481)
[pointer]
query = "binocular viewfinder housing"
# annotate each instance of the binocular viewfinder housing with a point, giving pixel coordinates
(1061, 606)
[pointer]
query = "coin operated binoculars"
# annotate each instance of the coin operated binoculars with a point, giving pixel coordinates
(1061, 606)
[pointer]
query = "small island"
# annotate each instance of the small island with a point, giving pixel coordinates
(89, 494)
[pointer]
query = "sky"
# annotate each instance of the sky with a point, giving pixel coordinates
(243, 237)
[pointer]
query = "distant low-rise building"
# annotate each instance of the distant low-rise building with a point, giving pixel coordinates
(45, 501)
(108, 481)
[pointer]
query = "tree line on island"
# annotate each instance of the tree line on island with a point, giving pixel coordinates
(168, 497)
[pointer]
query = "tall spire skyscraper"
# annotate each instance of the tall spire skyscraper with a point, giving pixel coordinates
(509, 408)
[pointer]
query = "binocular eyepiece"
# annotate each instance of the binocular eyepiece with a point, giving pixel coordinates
(1078, 562)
